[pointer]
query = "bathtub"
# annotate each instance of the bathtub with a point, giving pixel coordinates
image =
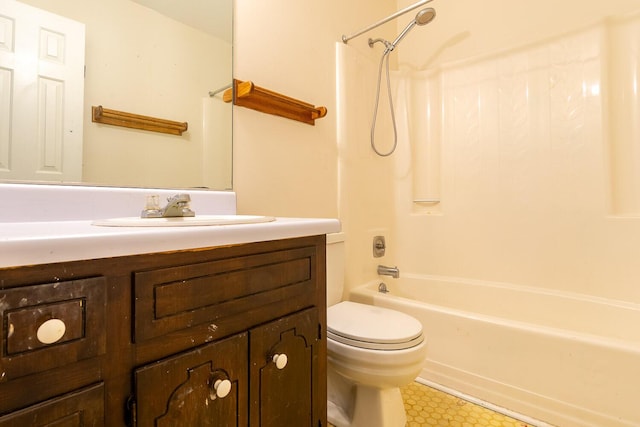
(566, 359)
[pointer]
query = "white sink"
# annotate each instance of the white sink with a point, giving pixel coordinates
(188, 221)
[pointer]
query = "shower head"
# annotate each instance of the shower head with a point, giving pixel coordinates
(422, 18)
(425, 16)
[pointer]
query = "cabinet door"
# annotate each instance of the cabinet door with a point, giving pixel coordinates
(284, 362)
(203, 387)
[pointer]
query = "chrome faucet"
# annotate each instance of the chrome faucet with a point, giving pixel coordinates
(177, 206)
(382, 288)
(388, 271)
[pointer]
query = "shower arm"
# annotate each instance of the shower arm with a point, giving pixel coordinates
(345, 38)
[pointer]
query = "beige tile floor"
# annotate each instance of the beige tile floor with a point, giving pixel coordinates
(426, 406)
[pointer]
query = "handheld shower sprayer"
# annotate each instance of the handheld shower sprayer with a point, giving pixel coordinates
(422, 18)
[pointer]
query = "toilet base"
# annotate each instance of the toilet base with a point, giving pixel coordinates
(378, 408)
(337, 416)
(372, 407)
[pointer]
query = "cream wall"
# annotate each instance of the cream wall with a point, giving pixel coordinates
(282, 167)
(561, 235)
(540, 210)
(520, 117)
(287, 168)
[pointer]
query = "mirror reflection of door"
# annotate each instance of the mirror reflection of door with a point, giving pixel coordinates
(41, 70)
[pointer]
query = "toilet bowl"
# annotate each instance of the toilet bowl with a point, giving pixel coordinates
(372, 352)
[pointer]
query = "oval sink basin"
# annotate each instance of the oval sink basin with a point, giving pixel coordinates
(187, 221)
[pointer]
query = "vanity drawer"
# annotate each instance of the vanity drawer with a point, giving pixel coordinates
(50, 325)
(41, 325)
(231, 292)
(80, 408)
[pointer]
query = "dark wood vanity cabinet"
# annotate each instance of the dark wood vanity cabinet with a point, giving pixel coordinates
(224, 336)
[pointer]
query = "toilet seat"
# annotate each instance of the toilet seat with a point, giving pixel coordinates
(370, 327)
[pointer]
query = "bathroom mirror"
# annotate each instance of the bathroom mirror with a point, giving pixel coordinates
(156, 58)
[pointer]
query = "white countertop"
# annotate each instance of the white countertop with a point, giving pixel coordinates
(53, 223)
(28, 243)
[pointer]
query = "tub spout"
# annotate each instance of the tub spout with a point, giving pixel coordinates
(388, 271)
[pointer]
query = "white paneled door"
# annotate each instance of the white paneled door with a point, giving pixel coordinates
(41, 94)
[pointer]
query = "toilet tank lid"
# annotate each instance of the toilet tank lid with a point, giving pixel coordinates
(369, 323)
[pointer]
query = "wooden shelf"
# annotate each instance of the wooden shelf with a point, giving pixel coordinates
(246, 94)
(136, 121)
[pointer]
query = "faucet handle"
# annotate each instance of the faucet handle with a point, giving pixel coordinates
(179, 198)
(152, 202)
(152, 207)
(177, 206)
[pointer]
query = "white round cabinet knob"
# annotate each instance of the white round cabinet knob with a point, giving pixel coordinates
(280, 360)
(51, 331)
(222, 388)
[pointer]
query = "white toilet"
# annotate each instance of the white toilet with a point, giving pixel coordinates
(372, 352)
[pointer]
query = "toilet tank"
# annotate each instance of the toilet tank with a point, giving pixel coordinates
(335, 267)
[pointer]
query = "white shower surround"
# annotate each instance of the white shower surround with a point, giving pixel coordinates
(531, 154)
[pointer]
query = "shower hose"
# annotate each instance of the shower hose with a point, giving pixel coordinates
(384, 59)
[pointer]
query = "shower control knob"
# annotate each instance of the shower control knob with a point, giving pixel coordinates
(379, 246)
(280, 360)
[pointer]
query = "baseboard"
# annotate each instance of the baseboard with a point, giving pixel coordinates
(534, 409)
